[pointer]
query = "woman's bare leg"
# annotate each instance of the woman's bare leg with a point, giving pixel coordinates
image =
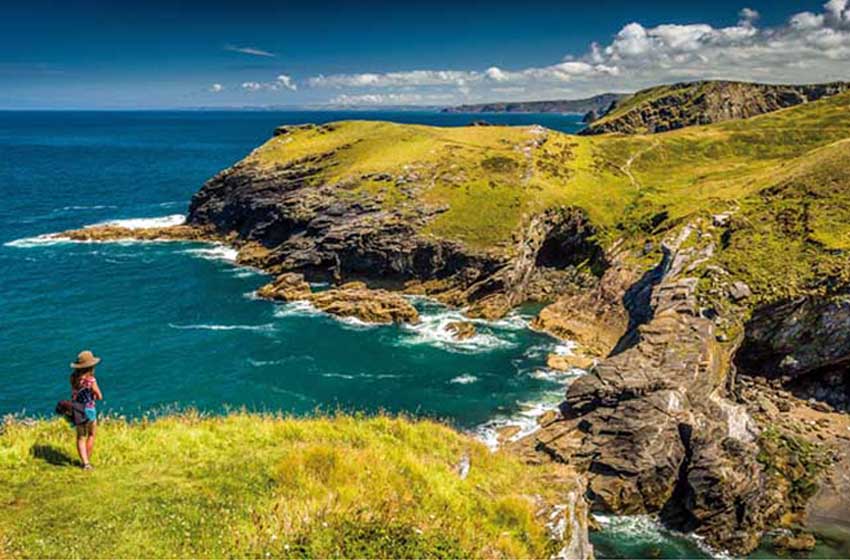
(92, 428)
(82, 448)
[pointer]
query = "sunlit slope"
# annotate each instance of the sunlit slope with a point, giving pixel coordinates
(489, 179)
(258, 486)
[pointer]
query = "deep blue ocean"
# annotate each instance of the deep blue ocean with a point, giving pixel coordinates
(177, 324)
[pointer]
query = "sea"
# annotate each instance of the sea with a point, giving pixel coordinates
(178, 324)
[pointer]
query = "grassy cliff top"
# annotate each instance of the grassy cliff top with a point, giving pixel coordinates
(254, 486)
(489, 180)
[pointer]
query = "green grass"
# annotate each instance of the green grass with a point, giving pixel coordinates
(257, 486)
(488, 181)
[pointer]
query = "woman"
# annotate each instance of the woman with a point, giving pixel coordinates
(84, 393)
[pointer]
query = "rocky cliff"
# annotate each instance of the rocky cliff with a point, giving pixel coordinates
(675, 106)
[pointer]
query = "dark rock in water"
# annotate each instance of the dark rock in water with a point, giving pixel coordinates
(590, 116)
(480, 123)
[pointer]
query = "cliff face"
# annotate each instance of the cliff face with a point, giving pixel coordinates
(666, 108)
(598, 104)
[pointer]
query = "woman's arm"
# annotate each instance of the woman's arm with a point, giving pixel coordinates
(96, 390)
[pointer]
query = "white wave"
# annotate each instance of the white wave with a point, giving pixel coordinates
(215, 252)
(95, 207)
(566, 348)
(356, 324)
(648, 529)
(144, 223)
(338, 375)
(244, 272)
(464, 379)
(295, 308)
(433, 329)
(525, 421)
(268, 327)
(45, 240)
(48, 239)
(557, 376)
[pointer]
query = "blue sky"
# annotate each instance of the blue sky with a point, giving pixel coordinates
(154, 54)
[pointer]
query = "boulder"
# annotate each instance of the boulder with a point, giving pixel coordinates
(289, 286)
(802, 542)
(739, 291)
(461, 330)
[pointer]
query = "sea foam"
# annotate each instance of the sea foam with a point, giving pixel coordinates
(145, 223)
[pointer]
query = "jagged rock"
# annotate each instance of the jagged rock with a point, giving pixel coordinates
(370, 306)
(566, 362)
(461, 330)
(804, 343)
(287, 287)
(650, 423)
(802, 542)
(491, 307)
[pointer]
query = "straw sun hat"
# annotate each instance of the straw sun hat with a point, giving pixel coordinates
(85, 359)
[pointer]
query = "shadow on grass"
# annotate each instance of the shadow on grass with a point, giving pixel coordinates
(51, 455)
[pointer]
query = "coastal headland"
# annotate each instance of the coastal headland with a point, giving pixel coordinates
(703, 273)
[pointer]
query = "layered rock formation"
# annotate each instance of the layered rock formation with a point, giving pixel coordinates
(657, 425)
(695, 103)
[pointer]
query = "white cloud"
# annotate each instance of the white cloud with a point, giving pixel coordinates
(216, 88)
(281, 82)
(392, 99)
(809, 47)
(249, 50)
(285, 82)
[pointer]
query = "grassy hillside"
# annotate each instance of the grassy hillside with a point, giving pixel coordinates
(489, 180)
(252, 486)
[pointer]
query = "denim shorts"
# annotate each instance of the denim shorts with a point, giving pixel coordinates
(91, 414)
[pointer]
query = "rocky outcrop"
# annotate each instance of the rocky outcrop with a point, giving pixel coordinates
(653, 424)
(803, 343)
(370, 306)
(109, 232)
(697, 103)
(353, 299)
(289, 286)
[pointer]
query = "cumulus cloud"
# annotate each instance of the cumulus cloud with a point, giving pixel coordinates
(215, 88)
(249, 50)
(808, 47)
(281, 82)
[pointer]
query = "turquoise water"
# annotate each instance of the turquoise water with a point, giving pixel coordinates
(177, 324)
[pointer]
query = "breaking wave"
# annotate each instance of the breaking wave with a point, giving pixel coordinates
(268, 327)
